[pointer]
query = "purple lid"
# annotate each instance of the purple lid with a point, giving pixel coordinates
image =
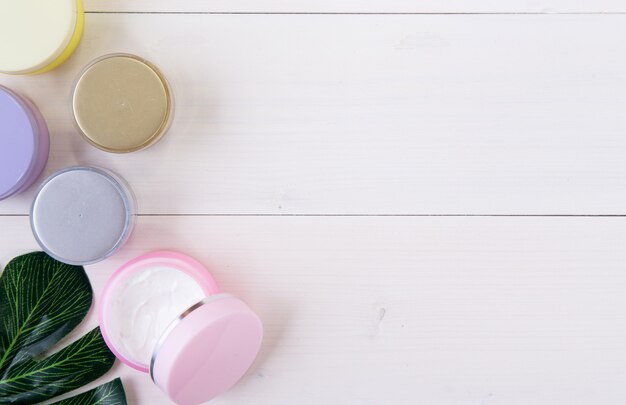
(19, 143)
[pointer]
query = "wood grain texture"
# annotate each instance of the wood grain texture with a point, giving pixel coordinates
(381, 115)
(362, 114)
(407, 310)
(359, 6)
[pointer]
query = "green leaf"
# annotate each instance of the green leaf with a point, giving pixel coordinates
(76, 365)
(111, 393)
(41, 301)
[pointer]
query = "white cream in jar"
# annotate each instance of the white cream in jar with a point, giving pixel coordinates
(149, 301)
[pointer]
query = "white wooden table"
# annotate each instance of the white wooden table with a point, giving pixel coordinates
(423, 199)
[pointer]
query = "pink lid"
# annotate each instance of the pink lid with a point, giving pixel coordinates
(207, 350)
(203, 351)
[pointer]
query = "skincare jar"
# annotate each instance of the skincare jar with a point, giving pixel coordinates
(24, 143)
(122, 103)
(163, 314)
(37, 36)
(82, 215)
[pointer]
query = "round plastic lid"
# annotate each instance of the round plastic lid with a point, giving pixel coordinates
(18, 143)
(122, 103)
(207, 350)
(82, 215)
(35, 33)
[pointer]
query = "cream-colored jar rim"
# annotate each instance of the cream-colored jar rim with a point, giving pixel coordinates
(38, 32)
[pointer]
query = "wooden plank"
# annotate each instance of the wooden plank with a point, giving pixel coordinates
(407, 310)
(358, 6)
(365, 114)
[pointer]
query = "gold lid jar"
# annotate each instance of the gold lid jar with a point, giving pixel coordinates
(122, 103)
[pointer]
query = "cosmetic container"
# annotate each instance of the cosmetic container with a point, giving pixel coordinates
(37, 36)
(122, 103)
(24, 143)
(163, 314)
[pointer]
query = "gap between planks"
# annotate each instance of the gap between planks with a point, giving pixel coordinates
(458, 13)
(375, 215)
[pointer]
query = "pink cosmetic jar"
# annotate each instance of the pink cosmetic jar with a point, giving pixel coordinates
(24, 143)
(163, 314)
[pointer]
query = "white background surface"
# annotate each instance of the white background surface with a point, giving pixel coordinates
(423, 208)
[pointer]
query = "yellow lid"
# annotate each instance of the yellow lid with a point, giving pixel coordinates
(37, 35)
(122, 103)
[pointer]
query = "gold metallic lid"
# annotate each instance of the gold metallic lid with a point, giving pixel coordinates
(122, 103)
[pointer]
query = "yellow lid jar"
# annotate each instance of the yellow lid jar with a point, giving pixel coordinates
(38, 35)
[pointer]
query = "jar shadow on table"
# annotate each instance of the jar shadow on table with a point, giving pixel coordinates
(275, 323)
(274, 332)
(197, 107)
